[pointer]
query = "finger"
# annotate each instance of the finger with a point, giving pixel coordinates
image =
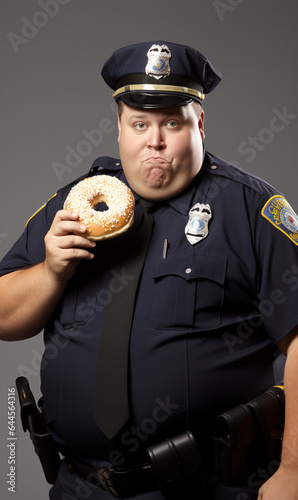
(66, 215)
(74, 241)
(71, 254)
(62, 217)
(64, 227)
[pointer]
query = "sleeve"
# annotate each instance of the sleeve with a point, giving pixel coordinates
(276, 245)
(29, 249)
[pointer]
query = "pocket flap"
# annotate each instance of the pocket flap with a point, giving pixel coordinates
(210, 266)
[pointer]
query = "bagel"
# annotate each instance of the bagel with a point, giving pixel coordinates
(110, 222)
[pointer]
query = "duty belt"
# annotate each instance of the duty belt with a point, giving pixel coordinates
(175, 468)
(245, 438)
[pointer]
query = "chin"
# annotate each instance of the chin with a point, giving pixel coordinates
(158, 194)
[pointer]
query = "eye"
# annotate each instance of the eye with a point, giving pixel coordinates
(140, 126)
(172, 124)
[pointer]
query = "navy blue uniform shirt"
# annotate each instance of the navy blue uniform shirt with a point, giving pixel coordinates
(206, 319)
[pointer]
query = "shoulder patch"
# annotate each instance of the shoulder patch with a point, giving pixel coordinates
(280, 213)
(35, 213)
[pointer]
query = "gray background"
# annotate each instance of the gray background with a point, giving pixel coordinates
(52, 92)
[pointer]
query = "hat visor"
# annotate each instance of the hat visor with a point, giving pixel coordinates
(154, 100)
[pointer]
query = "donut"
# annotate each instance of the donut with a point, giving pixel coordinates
(91, 191)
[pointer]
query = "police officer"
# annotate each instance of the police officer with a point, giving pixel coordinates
(216, 298)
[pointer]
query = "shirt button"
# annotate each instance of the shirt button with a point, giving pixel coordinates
(213, 167)
(188, 270)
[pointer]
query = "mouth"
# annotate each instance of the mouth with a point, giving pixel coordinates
(156, 170)
(157, 159)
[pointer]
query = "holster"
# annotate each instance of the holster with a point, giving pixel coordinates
(33, 420)
(249, 436)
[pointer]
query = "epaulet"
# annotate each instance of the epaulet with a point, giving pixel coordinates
(220, 167)
(105, 163)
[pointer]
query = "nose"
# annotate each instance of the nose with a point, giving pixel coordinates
(156, 139)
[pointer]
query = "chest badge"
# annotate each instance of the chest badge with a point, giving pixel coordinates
(158, 64)
(197, 227)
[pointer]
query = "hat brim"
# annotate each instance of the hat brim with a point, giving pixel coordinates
(154, 100)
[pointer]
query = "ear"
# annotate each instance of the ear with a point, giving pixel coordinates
(119, 126)
(201, 124)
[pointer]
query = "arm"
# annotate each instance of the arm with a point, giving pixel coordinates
(283, 485)
(29, 296)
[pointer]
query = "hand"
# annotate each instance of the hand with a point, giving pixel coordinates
(66, 244)
(283, 485)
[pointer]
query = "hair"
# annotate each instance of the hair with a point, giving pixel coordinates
(120, 107)
(197, 107)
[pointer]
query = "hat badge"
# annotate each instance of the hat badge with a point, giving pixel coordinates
(158, 65)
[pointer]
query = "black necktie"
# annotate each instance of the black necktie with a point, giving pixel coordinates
(111, 389)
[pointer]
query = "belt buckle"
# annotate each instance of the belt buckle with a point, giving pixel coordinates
(106, 481)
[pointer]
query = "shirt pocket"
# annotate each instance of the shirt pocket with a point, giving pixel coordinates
(189, 291)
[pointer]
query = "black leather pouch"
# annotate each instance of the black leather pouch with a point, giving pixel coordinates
(249, 436)
(268, 411)
(177, 466)
(233, 435)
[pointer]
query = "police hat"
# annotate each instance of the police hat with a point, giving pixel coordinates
(159, 75)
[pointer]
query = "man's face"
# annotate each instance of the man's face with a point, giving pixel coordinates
(161, 149)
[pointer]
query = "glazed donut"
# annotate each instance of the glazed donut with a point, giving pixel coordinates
(89, 192)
